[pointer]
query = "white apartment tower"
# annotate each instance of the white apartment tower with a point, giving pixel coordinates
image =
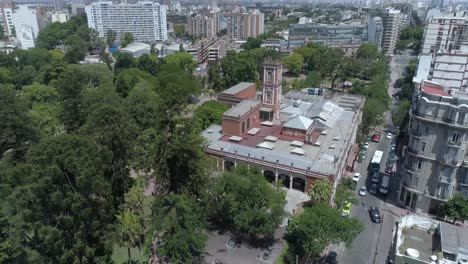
(26, 25)
(446, 33)
(145, 20)
(392, 23)
(375, 31)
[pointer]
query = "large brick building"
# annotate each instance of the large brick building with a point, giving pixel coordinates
(295, 138)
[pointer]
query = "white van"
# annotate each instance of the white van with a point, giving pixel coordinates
(384, 184)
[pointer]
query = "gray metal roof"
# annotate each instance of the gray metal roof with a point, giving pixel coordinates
(453, 239)
(241, 108)
(238, 88)
(299, 122)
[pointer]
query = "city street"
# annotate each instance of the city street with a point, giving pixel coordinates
(373, 244)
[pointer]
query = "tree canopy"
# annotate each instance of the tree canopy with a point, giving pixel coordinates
(456, 208)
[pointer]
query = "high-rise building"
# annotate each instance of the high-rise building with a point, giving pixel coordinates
(245, 25)
(58, 5)
(7, 21)
(204, 24)
(435, 160)
(375, 31)
(145, 20)
(26, 25)
(437, 4)
(392, 23)
(77, 9)
(446, 33)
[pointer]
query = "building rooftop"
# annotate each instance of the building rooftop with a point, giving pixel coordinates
(435, 91)
(136, 46)
(424, 66)
(238, 88)
(242, 108)
(453, 239)
(299, 122)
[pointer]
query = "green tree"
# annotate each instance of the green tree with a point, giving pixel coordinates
(237, 68)
(320, 192)
(179, 31)
(76, 48)
(252, 43)
(177, 229)
(127, 39)
(210, 112)
(215, 78)
(294, 63)
(184, 60)
(246, 203)
(64, 201)
(128, 231)
(142, 104)
(456, 208)
(123, 61)
(16, 131)
(149, 63)
(110, 37)
(345, 193)
(181, 48)
(6, 76)
(313, 79)
(400, 114)
(367, 51)
(310, 232)
(2, 32)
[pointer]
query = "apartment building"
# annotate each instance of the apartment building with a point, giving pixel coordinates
(446, 33)
(245, 25)
(26, 25)
(145, 20)
(329, 33)
(7, 22)
(204, 24)
(436, 158)
(375, 31)
(208, 49)
(392, 23)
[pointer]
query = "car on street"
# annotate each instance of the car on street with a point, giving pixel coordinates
(375, 215)
(389, 135)
(365, 146)
(389, 169)
(375, 177)
(363, 191)
(346, 209)
(373, 189)
(356, 177)
(375, 138)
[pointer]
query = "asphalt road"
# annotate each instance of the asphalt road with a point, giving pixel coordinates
(373, 244)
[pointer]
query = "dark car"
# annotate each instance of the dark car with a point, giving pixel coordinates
(375, 215)
(375, 177)
(389, 169)
(331, 258)
(373, 189)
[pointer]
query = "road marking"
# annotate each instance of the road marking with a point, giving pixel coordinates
(378, 239)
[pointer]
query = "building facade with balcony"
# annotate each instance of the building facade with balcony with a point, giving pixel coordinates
(245, 25)
(436, 158)
(446, 33)
(392, 24)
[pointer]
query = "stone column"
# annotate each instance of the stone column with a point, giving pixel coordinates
(291, 178)
(276, 176)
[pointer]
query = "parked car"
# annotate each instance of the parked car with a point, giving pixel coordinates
(346, 209)
(363, 191)
(365, 146)
(389, 135)
(376, 138)
(375, 215)
(356, 177)
(375, 177)
(373, 189)
(389, 169)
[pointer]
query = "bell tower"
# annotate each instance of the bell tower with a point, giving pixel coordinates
(271, 96)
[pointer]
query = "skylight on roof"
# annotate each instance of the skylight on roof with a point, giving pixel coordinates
(235, 138)
(267, 123)
(317, 143)
(323, 132)
(336, 138)
(332, 146)
(296, 143)
(271, 138)
(298, 151)
(253, 131)
(266, 145)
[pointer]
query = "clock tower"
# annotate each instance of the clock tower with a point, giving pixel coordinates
(271, 96)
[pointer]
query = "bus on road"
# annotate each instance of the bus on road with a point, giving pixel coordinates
(374, 165)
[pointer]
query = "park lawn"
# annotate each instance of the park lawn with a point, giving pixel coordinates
(120, 254)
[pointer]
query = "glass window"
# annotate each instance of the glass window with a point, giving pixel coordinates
(419, 164)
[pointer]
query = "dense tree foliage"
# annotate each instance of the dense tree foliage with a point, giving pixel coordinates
(310, 232)
(209, 113)
(320, 192)
(294, 63)
(243, 201)
(456, 208)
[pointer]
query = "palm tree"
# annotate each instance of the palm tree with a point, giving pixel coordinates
(320, 192)
(129, 230)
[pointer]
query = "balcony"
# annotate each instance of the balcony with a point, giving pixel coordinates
(416, 133)
(445, 179)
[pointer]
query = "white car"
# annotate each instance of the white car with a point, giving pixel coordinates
(363, 191)
(356, 177)
(389, 135)
(365, 145)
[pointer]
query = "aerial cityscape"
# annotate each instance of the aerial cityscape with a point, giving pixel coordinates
(234, 131)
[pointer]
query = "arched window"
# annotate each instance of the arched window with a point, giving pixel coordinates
(269, 76)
